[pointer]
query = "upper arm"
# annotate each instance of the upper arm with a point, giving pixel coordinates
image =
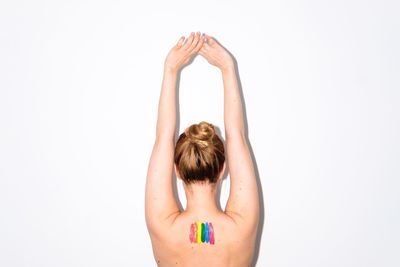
(160, 202)
(243, 201)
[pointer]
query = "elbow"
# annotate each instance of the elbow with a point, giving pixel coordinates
(237, 135)
(164, 138)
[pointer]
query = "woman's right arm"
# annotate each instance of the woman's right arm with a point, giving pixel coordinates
(243, 201)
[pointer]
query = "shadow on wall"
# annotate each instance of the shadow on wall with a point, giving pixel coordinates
(260, 192)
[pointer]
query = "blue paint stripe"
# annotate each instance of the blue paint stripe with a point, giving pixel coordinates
(207, 233)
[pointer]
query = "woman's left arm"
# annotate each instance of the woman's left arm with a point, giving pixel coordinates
(160, 203)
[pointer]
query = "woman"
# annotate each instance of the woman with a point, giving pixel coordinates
(202, 234)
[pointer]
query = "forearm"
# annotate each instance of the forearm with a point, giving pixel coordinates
(233, 111)
(166, 121)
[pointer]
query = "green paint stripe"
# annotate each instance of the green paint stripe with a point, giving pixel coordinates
(203, 233)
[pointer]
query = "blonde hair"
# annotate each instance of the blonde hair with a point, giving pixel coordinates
(199, 154)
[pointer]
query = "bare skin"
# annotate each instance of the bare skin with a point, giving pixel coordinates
(235, 227)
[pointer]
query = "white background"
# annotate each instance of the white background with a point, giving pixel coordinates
(79, 89)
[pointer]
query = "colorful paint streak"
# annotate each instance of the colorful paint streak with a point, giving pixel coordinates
(193, 233)
(198, 232)
(211, 231)
(202, 232)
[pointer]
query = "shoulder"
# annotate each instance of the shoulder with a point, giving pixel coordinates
(247, 226)
(157, 228)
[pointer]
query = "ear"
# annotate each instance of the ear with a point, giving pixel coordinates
(222, 171)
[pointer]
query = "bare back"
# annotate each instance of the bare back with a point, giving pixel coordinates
(234, 243)
(234, 229)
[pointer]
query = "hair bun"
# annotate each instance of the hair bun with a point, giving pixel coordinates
(200, 133)
(199, 154)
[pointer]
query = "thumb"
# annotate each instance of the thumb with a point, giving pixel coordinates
(210, 40)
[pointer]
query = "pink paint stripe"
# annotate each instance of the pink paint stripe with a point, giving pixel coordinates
(211, 231)
(193, 234)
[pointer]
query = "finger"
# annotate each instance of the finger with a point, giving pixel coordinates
(206, 44)
(195, 42)
(180, 42)
(199, 44)
(204, 52)
(189, 41)
(205, 47)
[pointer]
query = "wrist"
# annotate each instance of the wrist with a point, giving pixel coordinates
(229, 68)
(170, 70)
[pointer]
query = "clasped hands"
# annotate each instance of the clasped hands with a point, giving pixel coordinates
(204, 45)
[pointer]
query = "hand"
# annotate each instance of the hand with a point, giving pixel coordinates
(183, 51)
(215, 54)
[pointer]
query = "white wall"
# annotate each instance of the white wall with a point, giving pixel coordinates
(79, 88)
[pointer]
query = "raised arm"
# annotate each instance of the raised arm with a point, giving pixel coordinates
(160, 203)
(243, 201)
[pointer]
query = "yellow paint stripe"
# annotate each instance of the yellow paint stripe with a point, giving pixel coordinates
(198, 232)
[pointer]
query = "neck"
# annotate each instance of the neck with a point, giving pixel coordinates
(201, 198)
